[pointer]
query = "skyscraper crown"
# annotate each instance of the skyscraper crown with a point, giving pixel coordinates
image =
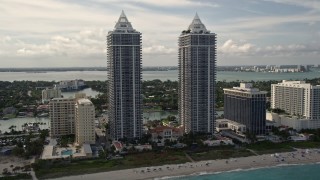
(123, 24)
(197, 26)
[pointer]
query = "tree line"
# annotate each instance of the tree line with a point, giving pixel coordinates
(156, 93)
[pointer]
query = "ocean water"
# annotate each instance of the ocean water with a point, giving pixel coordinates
(284, 172)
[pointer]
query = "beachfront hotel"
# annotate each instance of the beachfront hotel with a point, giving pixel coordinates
(84, 122)
(246, 105)
(296, 98)
(197, 73)
(124, 78)
(301, 102)
(61, 114)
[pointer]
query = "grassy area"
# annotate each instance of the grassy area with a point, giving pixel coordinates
(10, 116)
(155, 108)
(51, 170)
(304, 144)
(220, 154)
(267, 147)
(16, 177)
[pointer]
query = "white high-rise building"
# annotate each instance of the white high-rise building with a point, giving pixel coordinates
(297, 98)
(84, 122)
(48, 94)
(61, 114)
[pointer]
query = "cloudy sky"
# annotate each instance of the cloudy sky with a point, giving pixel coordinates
(65, 33)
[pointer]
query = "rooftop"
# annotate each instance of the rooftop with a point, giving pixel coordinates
(84, 101)
(229, 121)
(197, 26)
(123, 24)
(296, 84)
(62, 99)
(245, 88)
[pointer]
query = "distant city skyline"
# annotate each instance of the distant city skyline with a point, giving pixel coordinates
(72, 33)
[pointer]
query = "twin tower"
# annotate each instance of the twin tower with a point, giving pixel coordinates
(197, 74)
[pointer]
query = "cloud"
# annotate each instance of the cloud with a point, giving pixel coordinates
(164, 3)
(83, 43)
(158, 49)
(232, 48)
(57, 32)
(265, 22)
(311, 4)
(25, 52)
(5, 39)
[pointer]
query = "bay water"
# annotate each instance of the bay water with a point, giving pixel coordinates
(151, 75)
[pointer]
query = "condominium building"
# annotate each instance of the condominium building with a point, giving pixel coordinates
(84, 122)
(71, 85)
(197, 73)
(246, 105)
(296, 98)
(48, 94)
(61, 114)
(124, 78)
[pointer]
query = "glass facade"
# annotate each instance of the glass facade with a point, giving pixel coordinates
(197, 74)
(247, 109)
(124, 78)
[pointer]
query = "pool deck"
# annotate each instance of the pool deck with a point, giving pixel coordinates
(54, 152)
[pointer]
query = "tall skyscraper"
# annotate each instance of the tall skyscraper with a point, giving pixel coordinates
(246, 105)
(197, 74)
(297, 98)
(61, 114)
(124, 78)
(84, 122)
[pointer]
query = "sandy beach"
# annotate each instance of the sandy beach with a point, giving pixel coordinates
(301, 156)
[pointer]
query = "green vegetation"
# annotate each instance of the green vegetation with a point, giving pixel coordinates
(33, 145)
(279, 111)
(161, 93)
(164, 94)
(15, 94)
(267, 147)
(65, 140)
(220, 153)
(314, 132)
(304, 144)
(152, 108)
(158, 95)
(49, 169)
(10, 116)
(17, 176)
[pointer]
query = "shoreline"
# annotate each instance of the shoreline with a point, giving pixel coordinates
(204, 173)
(299, 157)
